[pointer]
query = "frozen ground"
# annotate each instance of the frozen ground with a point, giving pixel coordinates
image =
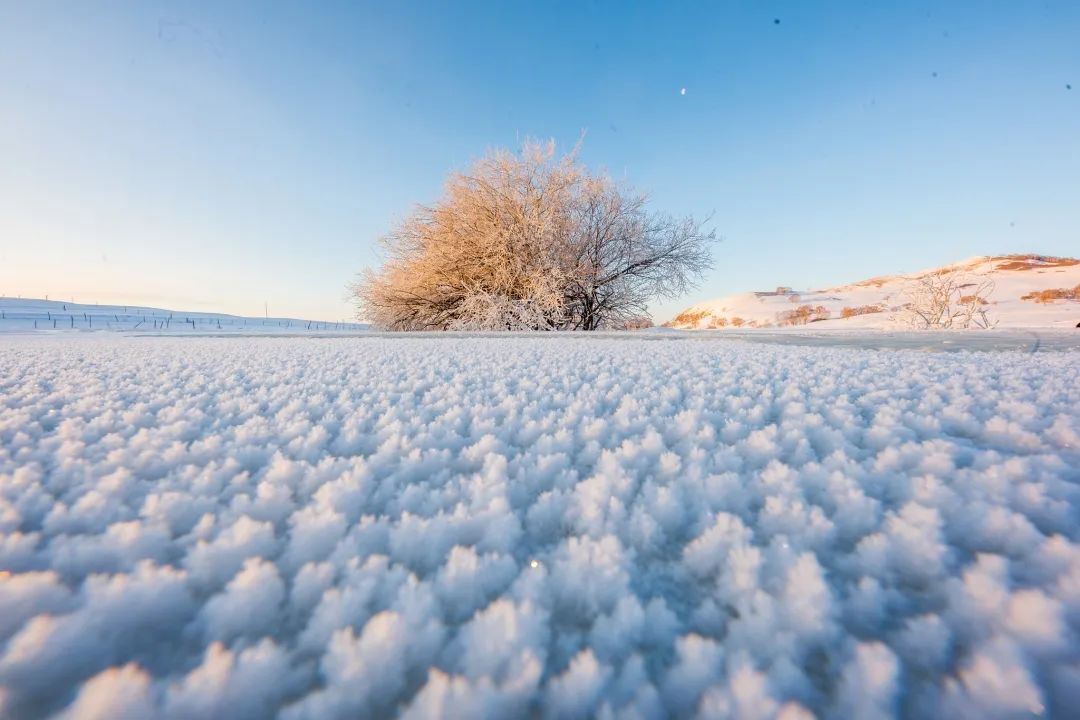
(645, 526)
(1031, 340)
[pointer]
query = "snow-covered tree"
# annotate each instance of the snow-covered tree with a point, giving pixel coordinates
(531, 241)
(943, 300)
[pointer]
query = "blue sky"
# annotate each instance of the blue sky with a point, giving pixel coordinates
(213, 156)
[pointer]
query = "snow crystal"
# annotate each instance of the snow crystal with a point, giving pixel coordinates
(647, 525)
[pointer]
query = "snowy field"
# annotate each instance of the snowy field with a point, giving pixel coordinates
(30, 315)
(640, 526)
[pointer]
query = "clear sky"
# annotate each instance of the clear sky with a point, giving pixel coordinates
(216, 155)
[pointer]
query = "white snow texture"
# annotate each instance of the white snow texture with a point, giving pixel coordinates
(555, 527)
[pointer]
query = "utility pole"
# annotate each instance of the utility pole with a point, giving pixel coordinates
(266, 309)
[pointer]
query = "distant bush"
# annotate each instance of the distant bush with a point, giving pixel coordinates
(688, 317)
(737, 322)
(849, 312)
(802, 315)
(943, 300)
(718, 322)
(973, 299)
(1048, 296)
(640, 323)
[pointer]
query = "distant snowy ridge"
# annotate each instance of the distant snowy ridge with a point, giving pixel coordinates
(1023, 297)
(29, 314)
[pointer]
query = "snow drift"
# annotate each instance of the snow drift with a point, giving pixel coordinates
(546, 526)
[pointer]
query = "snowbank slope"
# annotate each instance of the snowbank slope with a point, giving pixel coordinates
(1014, 277)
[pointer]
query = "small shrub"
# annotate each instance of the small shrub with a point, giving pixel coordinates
(689, 317)
(1046, 297)
(937, 301)
(849, 312)
(802, 315)
(638, 323)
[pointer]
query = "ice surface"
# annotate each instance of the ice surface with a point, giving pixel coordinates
(655, 525)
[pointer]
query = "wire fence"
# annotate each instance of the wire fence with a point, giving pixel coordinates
(63, 319)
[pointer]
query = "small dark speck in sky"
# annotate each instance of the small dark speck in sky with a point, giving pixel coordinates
(933, 74)
(1068, 86)
(613, 128)
(776, 21)
(1012, 224)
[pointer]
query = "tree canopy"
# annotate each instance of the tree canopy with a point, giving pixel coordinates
(531, 241)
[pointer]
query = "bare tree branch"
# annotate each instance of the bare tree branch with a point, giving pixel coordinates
(944, 300)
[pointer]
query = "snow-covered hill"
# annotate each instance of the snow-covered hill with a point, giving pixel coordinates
(876, 303)
(28, 315)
